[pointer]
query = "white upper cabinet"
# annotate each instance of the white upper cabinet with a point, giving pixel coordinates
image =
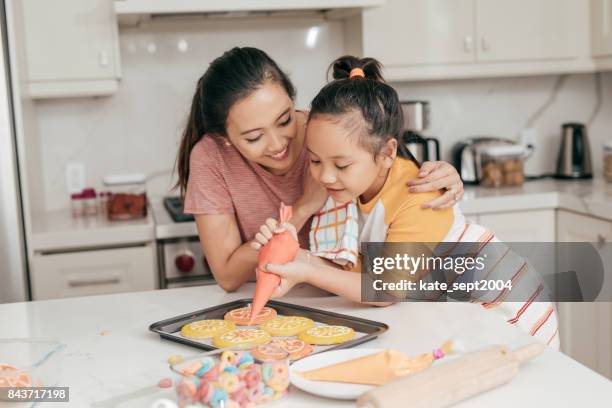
(71, 47)
(601, 23)
(526, 29)
(420, 32)
(441, 39)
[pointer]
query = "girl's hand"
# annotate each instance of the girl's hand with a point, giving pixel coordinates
(267, 230)
(435, 176)
(291, 274)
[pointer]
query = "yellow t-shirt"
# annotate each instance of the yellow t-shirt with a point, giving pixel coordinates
(395, 214)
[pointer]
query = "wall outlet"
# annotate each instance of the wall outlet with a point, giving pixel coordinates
(529, 137)
(75, 177)
(540, 162)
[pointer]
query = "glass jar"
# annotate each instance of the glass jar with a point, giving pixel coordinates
(31, 362)
(502, 166)
(127, 199)
(76, 205)
(607, 157)
(232, 377)
(103, 203)
(90, 201)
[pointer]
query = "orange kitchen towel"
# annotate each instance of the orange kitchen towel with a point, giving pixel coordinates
(334, 233)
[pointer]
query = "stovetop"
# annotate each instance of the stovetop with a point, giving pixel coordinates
(174, 205)
(165, 226)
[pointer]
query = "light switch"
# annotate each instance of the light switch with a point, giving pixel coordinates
(75, 177)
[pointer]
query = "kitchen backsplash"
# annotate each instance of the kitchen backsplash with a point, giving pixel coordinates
(138, 128)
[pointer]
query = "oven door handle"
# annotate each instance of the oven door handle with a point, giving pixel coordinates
(94, 282)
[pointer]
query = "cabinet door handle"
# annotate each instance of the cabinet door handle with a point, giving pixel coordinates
(468, 44)
(601, 239)
(485, 44)
(93, 282)
(605, 15)
(103, 59)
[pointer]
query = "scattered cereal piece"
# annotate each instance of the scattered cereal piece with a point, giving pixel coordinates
(175, 359)
(165, 383)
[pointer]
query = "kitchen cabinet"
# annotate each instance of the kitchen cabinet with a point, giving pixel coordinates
(93, 272)
(581, 228)
(586, 328)
(71, 48)
(438, 39)
(525, 29)
(420, 32)
(518, 226)
(601, 27)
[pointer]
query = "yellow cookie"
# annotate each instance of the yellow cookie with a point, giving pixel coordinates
(204, 329)
(239, 337)
(287, 325)
(323, 335)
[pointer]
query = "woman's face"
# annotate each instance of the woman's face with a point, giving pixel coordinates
(263, 128)
(345, 168)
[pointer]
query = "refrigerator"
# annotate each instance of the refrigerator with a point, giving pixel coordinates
(13, 264)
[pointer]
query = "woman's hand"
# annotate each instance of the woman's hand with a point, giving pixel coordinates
(435, 176)
(291, 274)
(268, 229)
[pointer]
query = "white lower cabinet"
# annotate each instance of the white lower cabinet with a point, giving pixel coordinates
(586, 328)
(93, 272)
(521, 226)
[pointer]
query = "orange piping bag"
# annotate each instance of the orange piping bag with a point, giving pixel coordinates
(281, 249)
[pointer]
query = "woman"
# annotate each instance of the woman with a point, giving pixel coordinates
(243, 152)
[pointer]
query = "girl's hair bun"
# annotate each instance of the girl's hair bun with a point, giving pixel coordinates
(341, 67)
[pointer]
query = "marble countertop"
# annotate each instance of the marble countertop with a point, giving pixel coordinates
(589, 197)
(111, 355)
(57, 230)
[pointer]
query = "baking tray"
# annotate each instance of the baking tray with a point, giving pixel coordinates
(365, 330)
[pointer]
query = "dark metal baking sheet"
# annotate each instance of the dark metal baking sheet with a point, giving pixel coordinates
(365, 330)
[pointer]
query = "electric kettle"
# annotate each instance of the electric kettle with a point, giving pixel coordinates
(574, 159)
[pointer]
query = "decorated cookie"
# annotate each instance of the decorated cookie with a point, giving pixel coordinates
(323, 335)
(287, 325)
(242, 315)
(204, 329)
(295, 348)
(239, 337)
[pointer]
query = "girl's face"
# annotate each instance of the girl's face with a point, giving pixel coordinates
(263, 128)
(345, 168)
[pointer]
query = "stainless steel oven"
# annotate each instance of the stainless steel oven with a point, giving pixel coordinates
(181, 259)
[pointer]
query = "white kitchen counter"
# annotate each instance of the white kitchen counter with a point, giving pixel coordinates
(110, 351)
(58, 230)
(588, 197)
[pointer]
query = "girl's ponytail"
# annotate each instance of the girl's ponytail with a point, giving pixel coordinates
(341, 68)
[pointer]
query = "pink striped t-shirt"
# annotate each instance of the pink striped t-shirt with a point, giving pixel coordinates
(222, 181)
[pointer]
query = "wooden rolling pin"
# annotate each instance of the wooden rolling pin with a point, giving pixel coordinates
(448, 383)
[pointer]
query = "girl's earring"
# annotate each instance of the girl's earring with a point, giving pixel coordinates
(227, 142)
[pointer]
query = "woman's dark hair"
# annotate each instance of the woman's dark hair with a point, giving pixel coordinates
(229, 78)
(370, 96)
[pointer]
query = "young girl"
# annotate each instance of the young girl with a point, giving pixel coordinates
(353, 144)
